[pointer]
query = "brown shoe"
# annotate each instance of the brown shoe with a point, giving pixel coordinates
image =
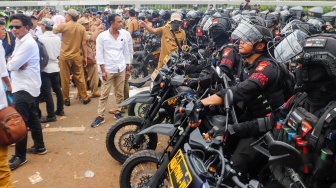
(112, 111)
(95, 95)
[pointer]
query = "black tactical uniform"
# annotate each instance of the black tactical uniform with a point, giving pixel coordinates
(312, 115)
(258, 93)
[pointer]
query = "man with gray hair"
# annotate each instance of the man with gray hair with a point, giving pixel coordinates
(50, 74)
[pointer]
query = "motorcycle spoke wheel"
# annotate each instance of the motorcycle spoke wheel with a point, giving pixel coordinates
(124, 139)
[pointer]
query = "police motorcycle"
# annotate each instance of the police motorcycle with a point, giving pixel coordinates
(194, 162)
(158, 105)
(148, 168)
(145, 60)
(138, 104)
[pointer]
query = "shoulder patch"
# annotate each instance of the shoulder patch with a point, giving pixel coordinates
(226, 52)
(262, 65)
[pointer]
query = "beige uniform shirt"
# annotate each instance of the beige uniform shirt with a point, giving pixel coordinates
(168, 43)
(73, 34)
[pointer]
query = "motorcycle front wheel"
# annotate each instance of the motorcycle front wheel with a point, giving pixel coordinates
(120, 138)
(139, 168)
(138, 109)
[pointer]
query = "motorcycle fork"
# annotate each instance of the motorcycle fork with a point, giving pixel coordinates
(150, 115)
(153, 182)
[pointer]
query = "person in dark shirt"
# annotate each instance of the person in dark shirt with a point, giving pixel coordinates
(246, 6)
(254, 94)
(104, 20)
(8, 42)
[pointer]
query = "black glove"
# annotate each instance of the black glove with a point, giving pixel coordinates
(194, 116)
(217, 131)
(191, 83)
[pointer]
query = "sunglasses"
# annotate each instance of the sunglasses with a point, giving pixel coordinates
(15, 26)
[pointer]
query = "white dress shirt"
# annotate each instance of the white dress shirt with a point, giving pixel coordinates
(3, 73)
(52, 44)
(112, 53)
(29, 79)
(3, 69)
(129, 41)
(37, 31)
(119, 11)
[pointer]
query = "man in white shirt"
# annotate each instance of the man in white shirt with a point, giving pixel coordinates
(50, 74)
(5, 173)
(24, 65)
(3, 69)
(113, 57)
(25, 12)
(108, 9)
(35, 30)
(119, 10)
(128, 73)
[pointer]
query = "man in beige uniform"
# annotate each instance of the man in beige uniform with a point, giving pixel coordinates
(133, 26)
(70, 59)
(92, 70)
(168, 42)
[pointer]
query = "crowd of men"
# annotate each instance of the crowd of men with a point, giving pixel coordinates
(82, 48)
(98, 46)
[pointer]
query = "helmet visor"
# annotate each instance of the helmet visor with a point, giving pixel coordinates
(289, 27)
(289, 46)
(247, 33)
(207, 24)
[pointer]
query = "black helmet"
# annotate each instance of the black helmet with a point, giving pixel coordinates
(192, 14)
(256, 20)
(220, 29)
(155, 14)
(319, 55)
(272, 21)
(315, 12)
(142, 16)
(165, 14)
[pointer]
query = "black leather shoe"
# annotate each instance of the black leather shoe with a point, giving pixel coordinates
(48, 119)
(59, 113)
(16, 161)
(67, 103)
(87, 101)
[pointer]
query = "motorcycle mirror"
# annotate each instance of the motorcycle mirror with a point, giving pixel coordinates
(284, 154)
(228, 99)
(219, 72)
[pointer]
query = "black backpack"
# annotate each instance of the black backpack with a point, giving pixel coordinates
(287, 78)
(44, 57)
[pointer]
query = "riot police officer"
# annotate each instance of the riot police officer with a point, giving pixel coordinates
(226, 53)
(258, 93)
(314, 108)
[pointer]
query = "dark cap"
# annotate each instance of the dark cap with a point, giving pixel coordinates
(34, 17)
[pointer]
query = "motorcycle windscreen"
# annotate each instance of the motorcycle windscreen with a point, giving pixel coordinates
(289, 46)
(247, 33)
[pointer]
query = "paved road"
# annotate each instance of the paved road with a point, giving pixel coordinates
(73, 148)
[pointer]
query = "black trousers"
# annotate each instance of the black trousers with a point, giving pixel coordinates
(51, 80)
(25, 104)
